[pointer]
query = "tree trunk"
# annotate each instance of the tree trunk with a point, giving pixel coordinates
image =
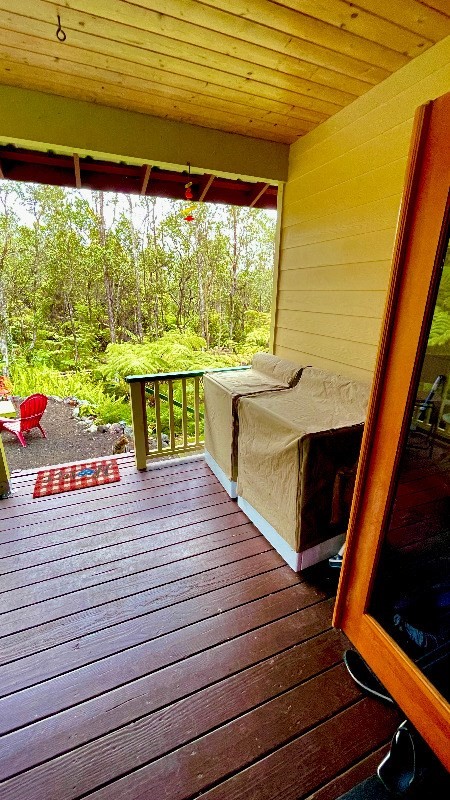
(234, 266)
(137, 277)
(108, 282)
(202, 310)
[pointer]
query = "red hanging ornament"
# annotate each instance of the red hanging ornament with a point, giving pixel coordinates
(189, 218)
(188, 191)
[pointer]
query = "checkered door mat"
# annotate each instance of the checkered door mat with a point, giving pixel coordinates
(75, 476)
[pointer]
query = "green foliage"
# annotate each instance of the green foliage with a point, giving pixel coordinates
(440, 329)
(439, 337)
(28, 379)
(110, 409)
(173, 352)
(95, 286)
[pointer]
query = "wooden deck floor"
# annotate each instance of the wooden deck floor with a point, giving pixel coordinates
(154, 645)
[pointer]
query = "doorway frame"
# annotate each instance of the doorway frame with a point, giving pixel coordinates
(421, 231)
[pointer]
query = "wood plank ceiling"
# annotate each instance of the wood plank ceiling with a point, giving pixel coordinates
(273, 70)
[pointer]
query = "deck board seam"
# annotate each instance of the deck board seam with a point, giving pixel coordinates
(213, 728)
(169, 605)
(175, 514)
(122, 558)
(177, 660)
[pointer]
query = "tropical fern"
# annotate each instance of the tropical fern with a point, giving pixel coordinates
(440, 328)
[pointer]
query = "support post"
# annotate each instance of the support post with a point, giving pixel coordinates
(5, 486)
(139, 417)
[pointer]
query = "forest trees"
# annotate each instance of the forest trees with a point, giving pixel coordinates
(83, 270)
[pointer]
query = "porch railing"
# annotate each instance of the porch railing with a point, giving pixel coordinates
(167, 412)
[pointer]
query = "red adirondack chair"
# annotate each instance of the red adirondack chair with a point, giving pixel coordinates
(30, 413)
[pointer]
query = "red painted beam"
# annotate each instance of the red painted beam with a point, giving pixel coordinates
(36, 167)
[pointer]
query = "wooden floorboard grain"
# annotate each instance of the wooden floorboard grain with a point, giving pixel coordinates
(308, 762)
(114, 546)
(20, 506)
(125, 460)
(254, 733)
(346, 780)
(53, 689)
(172, 605)
(116, 562)
(130, 585)
(153, 644)
(113, 495)
(205, 688)
(114, 530)
(98, 509)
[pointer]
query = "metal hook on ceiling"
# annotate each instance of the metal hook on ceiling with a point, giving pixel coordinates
(60, 34)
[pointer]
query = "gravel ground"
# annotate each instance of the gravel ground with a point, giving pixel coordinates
(67, 440)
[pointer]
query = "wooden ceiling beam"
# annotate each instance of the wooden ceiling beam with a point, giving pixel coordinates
(76, 164)
(147, 168)
(258, 193)
(57, 170)
(204, 187)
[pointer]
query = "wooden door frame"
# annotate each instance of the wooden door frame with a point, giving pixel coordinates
(422, 227)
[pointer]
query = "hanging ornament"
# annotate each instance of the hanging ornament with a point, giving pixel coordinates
(188, 217)
(186, 213)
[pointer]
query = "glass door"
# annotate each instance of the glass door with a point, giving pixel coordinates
(394, 593)
(410, 597)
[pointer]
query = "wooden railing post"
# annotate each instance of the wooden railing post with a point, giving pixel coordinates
(138, 390)
(5, 488)
(139, 417)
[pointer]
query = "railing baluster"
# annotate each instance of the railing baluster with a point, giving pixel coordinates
(184, 412)
(171, 417)
(197, 410)
(158, 417)
(139, 412)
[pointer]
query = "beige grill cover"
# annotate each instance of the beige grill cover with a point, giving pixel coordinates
(291, 446)
(222, 393)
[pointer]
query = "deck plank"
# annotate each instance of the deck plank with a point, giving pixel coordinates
(97, 670)
(112, 621)
(118, 547)
(133, 482)
(128, 585)
(350, 777)
(273, 722)
(247, 688)
(114, 530)
(306, 763)
(154, 644)
(96, 509)
(116, 562)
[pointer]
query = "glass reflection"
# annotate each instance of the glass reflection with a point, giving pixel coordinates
(411, 594)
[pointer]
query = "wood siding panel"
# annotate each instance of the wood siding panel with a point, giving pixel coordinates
(375, 246)
(372, 276)
(373, 216)
(376, 185)
(363, 329)
(383, 149)
(340, 211)
(302, 357)
(339, 350)
(342, 302)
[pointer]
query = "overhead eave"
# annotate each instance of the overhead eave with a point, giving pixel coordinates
(40, 121)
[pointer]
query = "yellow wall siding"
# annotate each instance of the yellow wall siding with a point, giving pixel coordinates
(340, 209)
